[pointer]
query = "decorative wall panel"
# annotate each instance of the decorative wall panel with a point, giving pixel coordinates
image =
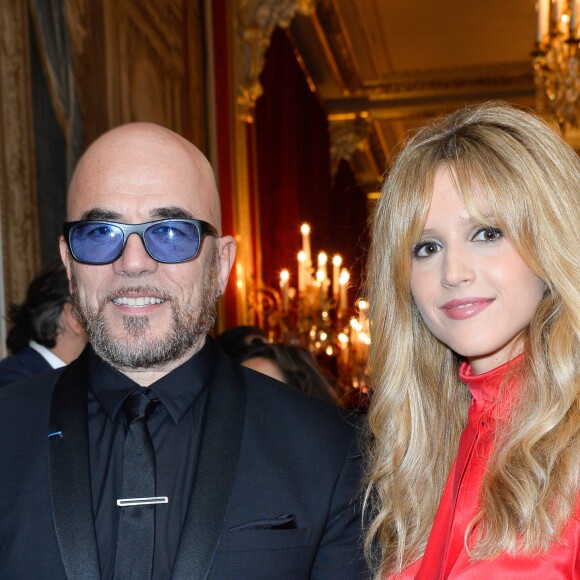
(17, 191)
(145, 62)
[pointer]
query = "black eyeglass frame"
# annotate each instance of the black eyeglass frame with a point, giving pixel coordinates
(203, 229)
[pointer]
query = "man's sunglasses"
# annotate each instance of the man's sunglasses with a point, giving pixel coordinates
(169, 240)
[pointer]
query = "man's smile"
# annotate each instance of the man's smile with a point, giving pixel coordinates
(138, 302)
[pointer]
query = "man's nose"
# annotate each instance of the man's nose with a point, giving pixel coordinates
(135, 261)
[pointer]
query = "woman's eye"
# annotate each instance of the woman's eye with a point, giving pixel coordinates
(487, 235)
(426, 249)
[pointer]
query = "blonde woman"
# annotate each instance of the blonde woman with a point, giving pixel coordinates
(474, 279)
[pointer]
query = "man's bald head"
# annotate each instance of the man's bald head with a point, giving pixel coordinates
(146, 316)
(143, 158)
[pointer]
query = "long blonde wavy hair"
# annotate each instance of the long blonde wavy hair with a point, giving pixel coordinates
(513, 170)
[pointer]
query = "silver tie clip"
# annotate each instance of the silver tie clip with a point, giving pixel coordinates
(142, 501)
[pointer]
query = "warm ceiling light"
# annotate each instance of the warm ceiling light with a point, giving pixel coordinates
(556, 61)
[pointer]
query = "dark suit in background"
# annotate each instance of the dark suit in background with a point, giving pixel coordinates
(24, 363)
(44, 319)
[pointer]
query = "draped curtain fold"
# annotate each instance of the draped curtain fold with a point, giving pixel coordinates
(54, 46)
(293, 172)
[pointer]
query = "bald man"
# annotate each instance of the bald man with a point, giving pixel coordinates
(154, 455)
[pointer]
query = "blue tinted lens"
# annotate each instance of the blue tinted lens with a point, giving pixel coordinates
(96, 242)
(172, 241)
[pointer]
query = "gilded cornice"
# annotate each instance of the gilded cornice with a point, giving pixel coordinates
(256, 22)
(474, 78)
(330, 25)
(431, 91)
(346, 138)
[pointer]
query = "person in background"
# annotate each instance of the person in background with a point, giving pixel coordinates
(236, 340)
(475, 315)
(46, 332)
(291, 364)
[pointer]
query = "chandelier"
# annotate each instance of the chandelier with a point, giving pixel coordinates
(313, 311)
(556, 61)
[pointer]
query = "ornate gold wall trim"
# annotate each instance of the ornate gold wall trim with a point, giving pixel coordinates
(20, 246)
(514, 76)
(346, 138)
(394, 96)
(257, 19)
(354, 138)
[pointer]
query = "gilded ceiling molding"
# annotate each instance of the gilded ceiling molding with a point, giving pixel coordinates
(335, 32)
(515, 75)
(346, 138)
(257, 19)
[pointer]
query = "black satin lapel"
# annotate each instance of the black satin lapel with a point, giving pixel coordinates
(69, 473)
(215, 474)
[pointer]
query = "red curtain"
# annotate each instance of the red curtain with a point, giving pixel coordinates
(348, 226)
(223, 91)
(292, 150)
(293, 173)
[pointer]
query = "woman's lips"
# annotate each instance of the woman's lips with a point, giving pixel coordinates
(465, 307)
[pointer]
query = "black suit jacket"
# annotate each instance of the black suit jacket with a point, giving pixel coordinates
(24, 363)
(266, 451)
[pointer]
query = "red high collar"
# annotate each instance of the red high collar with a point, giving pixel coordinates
(485, 387)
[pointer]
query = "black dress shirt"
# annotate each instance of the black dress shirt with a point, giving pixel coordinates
(175, 427)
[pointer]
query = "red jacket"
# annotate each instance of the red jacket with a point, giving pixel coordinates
(445, 556)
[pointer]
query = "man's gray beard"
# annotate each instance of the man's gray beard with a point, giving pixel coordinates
(190, 326)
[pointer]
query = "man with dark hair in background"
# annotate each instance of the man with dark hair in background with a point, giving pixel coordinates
(46, 333)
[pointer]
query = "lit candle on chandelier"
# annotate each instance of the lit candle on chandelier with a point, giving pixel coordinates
(336, 263)
(305, 231)
(542, 19)
(343, 283)
(363, 307)
(320, 277)
(322, 264)
(301, 271)
(284, 278)
(556, 16)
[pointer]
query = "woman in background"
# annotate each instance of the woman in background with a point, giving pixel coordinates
(291, 364)
(474, 273)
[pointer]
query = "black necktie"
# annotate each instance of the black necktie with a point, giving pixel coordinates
(136, 535)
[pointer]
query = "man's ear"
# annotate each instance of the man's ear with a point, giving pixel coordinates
(226, 254)
(70, 318)
(65, 257)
